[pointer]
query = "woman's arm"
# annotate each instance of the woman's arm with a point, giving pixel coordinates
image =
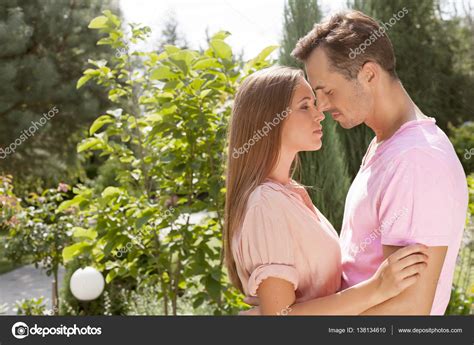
(397, 272)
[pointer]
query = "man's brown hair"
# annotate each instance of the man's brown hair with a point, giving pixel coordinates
(349, 39)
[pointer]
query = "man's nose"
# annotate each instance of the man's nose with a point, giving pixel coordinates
(323, 103)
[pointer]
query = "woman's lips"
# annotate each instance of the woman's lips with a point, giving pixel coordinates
(318, 131)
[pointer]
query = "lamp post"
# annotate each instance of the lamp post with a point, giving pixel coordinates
(86, 284)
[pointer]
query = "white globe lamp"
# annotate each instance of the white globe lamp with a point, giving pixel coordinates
(87, 284)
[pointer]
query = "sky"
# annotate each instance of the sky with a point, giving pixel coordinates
(254, 24)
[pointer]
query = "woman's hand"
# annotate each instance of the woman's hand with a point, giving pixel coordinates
(399, 271)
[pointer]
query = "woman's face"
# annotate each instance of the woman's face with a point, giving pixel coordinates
(302, 130)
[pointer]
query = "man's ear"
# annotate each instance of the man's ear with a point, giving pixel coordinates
(369, 72)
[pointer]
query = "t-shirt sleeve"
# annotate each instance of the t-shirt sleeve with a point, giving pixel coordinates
(266, 244)
(415, 203)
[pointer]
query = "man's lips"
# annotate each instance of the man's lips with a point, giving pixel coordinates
(335, 114)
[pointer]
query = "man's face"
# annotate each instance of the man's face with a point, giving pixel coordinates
(347, 100)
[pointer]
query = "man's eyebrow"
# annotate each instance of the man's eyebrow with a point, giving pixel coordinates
(318, 87)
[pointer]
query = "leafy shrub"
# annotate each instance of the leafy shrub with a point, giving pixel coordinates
(160, 223)
(462, 138)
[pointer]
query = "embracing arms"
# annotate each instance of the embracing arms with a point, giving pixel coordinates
(400, 271)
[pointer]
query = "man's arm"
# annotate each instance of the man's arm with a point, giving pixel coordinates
(418, 298)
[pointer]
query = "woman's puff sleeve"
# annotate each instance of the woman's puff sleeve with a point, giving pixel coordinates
(267, 246)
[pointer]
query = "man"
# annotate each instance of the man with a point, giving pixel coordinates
(411, 187)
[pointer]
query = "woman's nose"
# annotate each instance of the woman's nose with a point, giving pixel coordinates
(318, 115)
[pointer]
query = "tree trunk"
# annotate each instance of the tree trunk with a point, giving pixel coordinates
(55, 297)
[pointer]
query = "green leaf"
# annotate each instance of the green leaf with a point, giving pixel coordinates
(73, 250)
(87, 233)
(266, 52)
(198, 301)
(204, 93)
(98, 22)
(260, 59)
(145, 217)
(105, 41)
(82, 80)
(213, 287)
(112, 17)
(206, 63)
(221, 49)
(99, 122)
(221, 35)
(170, 49)
(111, 192)
(70, 203)
(110, 276)
(162, 72)
(89, 143)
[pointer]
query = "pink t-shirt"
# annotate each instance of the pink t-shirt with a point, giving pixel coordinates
(411, 190)
(284, 236)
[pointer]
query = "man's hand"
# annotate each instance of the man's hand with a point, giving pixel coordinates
(250, 312)
(253, 301)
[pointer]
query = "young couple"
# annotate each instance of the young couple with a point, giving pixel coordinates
(404, 213)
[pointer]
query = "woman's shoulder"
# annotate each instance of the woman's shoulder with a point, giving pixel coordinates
(268, 194)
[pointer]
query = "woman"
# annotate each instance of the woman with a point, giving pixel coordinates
(278, 246)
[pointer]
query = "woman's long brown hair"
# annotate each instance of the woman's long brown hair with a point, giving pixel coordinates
(259, 100)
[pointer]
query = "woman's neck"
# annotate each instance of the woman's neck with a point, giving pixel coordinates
(281, 171)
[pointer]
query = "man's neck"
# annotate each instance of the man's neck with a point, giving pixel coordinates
(393, 108)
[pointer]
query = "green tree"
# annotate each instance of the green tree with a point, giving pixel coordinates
(299, 17)
(324, 171)
(43, 46)
(170, 35)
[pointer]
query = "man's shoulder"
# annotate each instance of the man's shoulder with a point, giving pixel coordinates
(421, 145)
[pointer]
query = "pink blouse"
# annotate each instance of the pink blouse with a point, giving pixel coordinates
(284, 236)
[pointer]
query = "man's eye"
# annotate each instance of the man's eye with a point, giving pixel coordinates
(328, 92)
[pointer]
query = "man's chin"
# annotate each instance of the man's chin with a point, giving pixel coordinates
(346, 124)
